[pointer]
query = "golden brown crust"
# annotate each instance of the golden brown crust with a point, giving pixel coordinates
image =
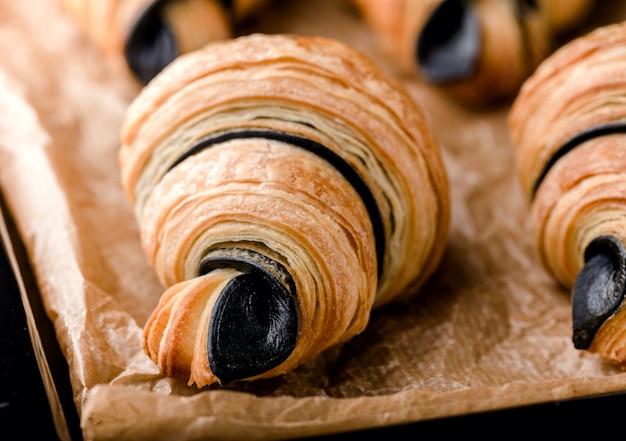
(566, 215)
(193, 23)
(579, 89)
(514, 39)
(284, 201)
(610, 340)
(511, 49)
(180, 319)
(381, 114)
(397, 23)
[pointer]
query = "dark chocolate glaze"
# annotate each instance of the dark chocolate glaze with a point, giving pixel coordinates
(254, 325)
(322, 151)
(151, 45)
(575, 141)
(599, 288)
(449, 45)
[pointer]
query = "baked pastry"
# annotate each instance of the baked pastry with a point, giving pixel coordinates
(479, 51)
(283, 189)
(568, 123)
(149, 34)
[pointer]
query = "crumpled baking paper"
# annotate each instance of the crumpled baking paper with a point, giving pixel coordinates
(491, 329)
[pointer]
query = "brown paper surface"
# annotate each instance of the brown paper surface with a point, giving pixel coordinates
(491, 329)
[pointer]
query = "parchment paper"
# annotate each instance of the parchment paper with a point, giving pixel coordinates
(491, 329)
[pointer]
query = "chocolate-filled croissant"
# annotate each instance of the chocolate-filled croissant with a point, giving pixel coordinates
(569, 126)
(149, 34)
(479, 51)
(283, 187)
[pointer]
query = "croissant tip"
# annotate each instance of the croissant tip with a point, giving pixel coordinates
(599, 288)
(448, 46)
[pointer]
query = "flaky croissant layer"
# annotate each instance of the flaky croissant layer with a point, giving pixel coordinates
(569, 126)
(149, 34)
(284, 188)
(479, 51)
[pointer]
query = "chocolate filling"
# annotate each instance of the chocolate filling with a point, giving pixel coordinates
(599, 288)
(575, 141)
(254, 324)
(449, 45)
(151, 44)
(340, 164)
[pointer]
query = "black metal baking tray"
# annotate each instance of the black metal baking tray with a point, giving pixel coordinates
(36, 396)
(35, 393)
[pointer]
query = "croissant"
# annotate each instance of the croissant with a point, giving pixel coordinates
(568, 124)
(149, 34)
(479, 51)
(283, 188)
